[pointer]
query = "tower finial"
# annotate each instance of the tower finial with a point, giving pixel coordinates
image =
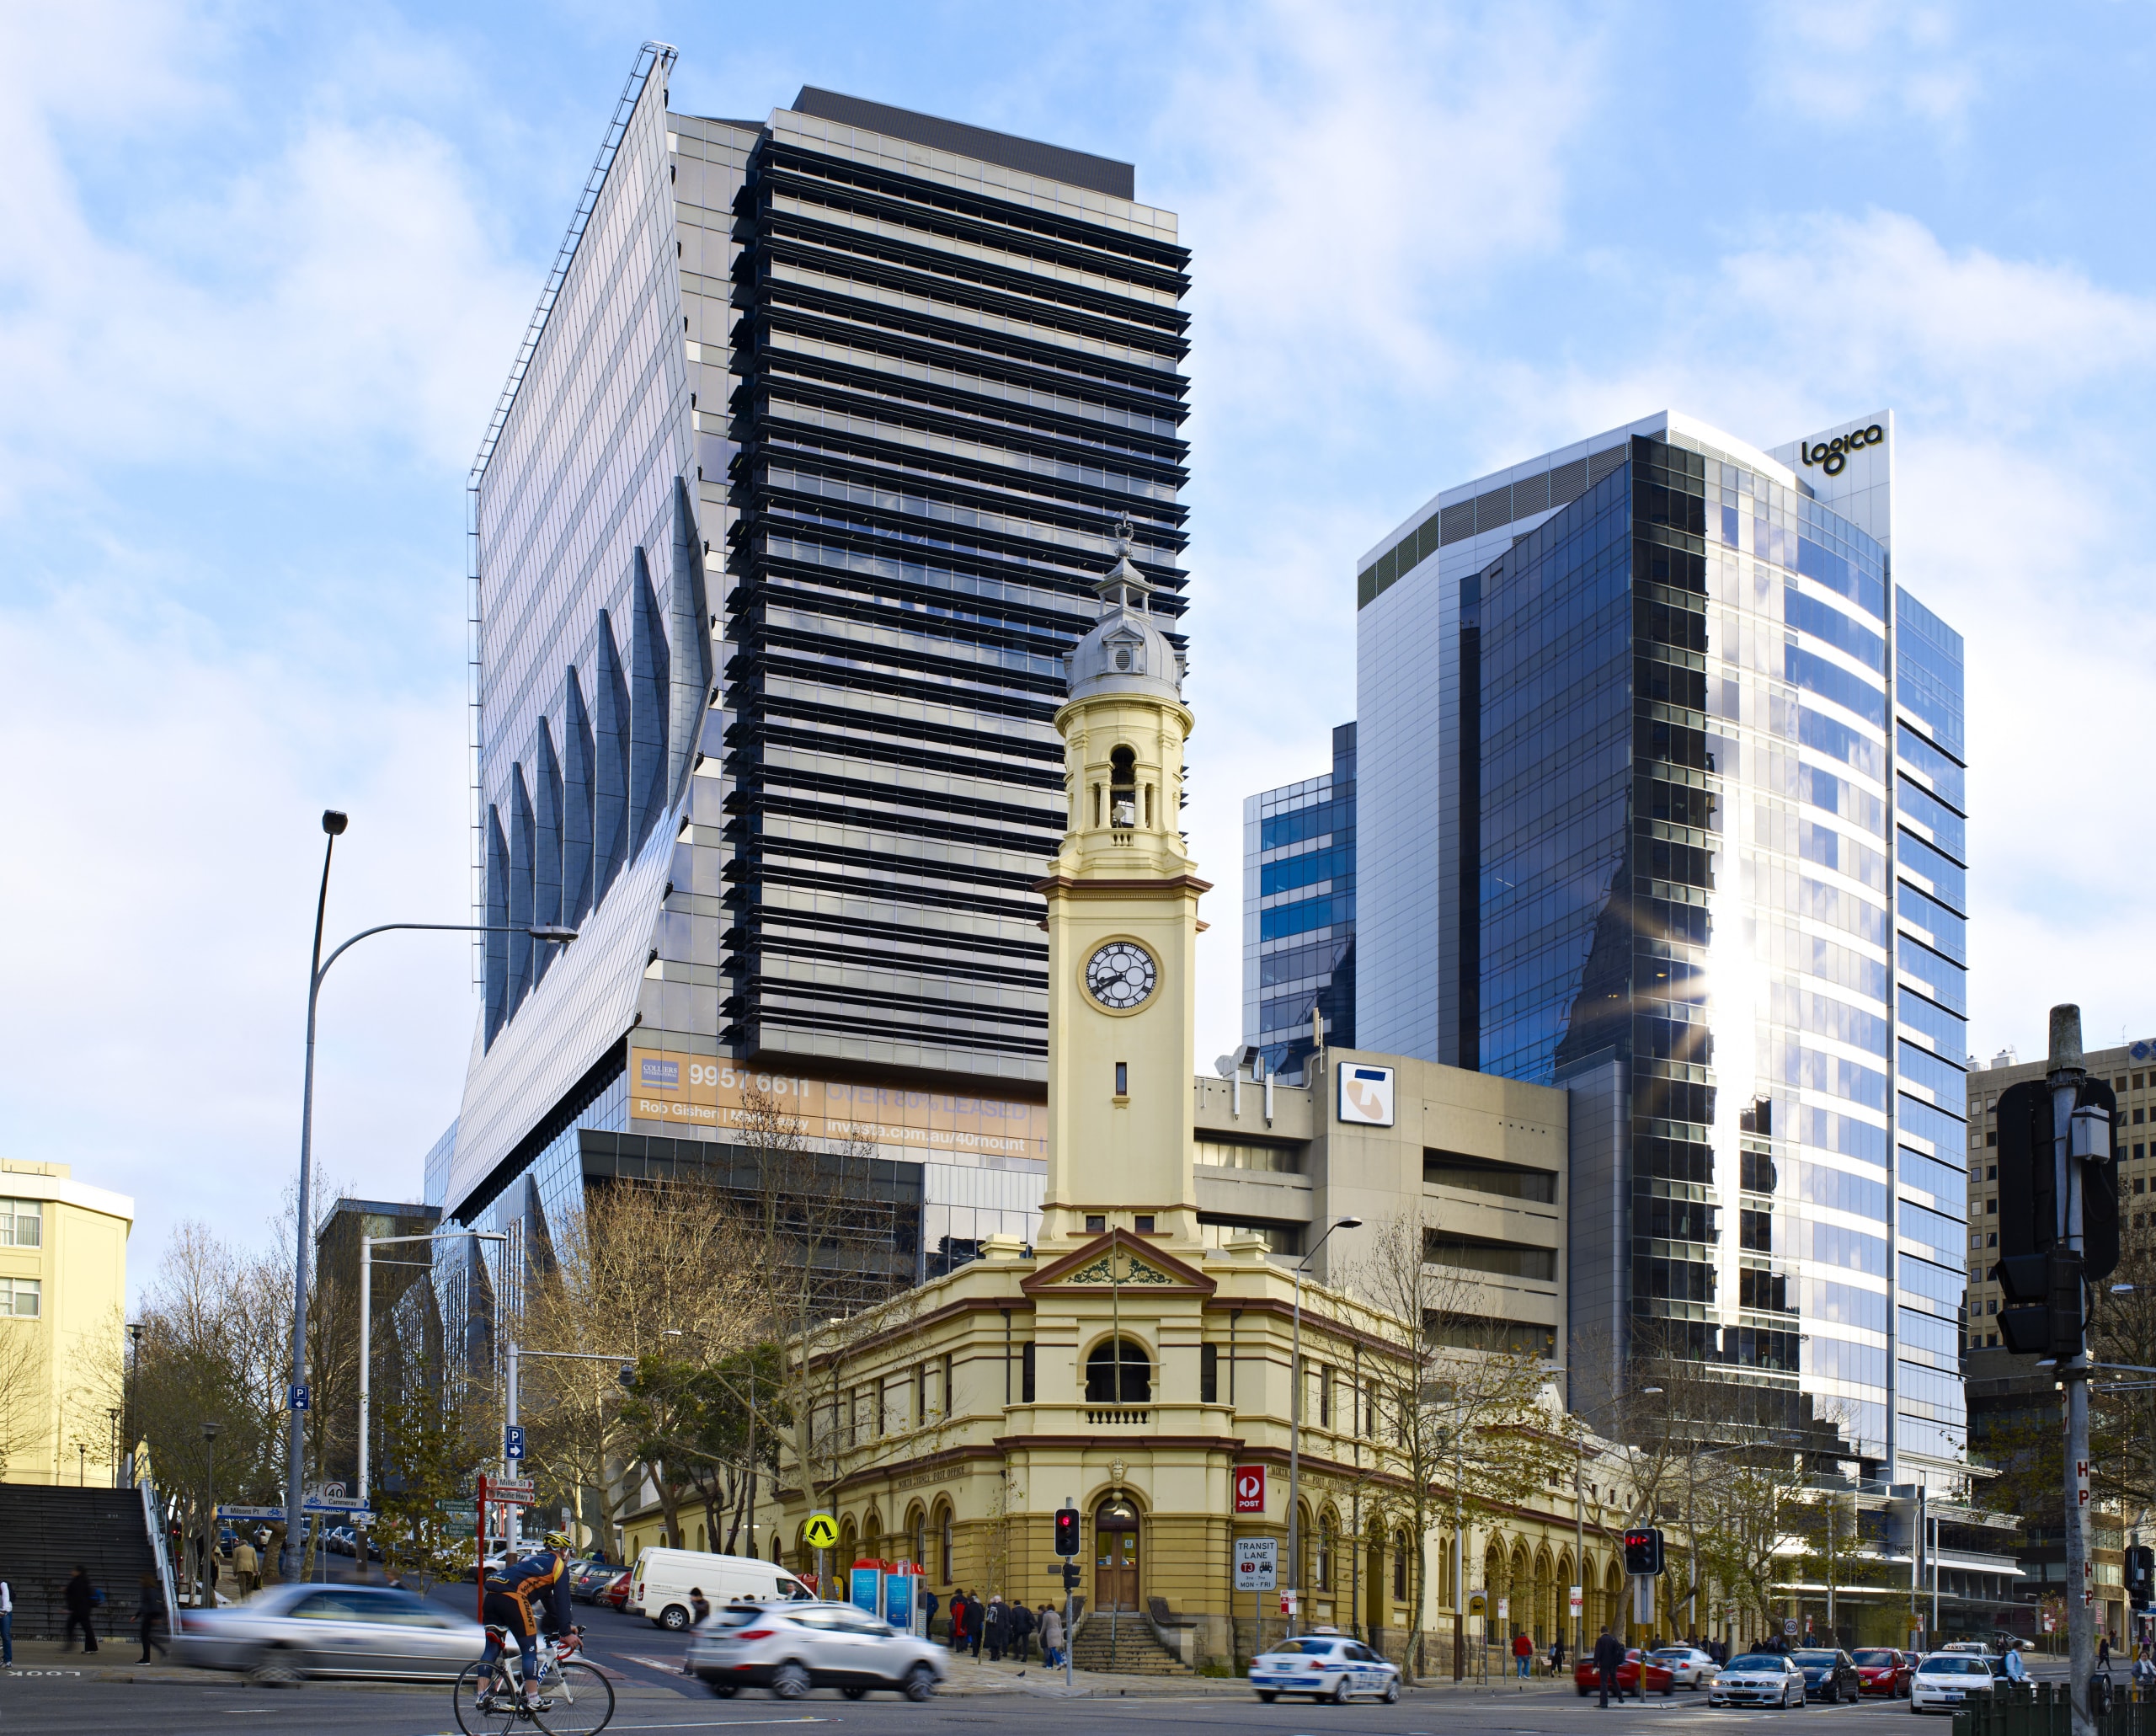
(1122, 584)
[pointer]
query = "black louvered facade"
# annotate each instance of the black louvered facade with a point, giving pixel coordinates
(945, 401)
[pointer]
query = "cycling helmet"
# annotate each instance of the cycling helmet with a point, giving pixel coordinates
(556, 1539)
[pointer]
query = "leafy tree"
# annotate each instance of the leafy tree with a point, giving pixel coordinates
(435, 1439)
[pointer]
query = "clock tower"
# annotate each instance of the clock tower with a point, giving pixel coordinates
(1123, 927)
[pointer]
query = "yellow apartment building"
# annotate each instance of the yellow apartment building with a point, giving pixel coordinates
(63, 1290)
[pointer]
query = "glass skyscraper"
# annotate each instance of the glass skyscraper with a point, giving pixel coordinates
(795, 498)
(1663, 801)
(1298, 912)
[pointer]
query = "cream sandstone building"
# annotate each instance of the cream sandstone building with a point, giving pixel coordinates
(63, 1287)
(1140, 1352)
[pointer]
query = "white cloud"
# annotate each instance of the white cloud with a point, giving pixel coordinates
(1832, 62)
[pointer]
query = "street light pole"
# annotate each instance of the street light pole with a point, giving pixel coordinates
(1295, 1419)
(208, 1596)
(296, 1397)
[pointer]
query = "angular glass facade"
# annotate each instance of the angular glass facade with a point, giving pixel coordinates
(1298, 912)
(792, 505)
(1700, 802)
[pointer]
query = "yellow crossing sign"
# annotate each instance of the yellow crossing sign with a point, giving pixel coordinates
(821, 1531)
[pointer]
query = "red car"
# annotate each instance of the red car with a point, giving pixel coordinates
(1588, 1680)
(617, 1595)
(1883, 1671)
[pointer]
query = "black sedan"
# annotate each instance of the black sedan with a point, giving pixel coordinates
(1831, 1676)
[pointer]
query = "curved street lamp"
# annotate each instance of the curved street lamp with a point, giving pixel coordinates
(296, 1399)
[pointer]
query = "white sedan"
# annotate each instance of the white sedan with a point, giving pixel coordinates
(1759, 1678)
(1326, 1667)
(1691, 1667)
(1946, 1681)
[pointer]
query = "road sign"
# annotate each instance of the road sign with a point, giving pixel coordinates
(312, 1506)
(276, 1514)
(511, 1494)
(1257, 1563)
(1578, 1600)
(1789, 1626)
(821, 1531)
(1287, 1601)
(513, 1440)
(296, 1398)
(1250, 1488)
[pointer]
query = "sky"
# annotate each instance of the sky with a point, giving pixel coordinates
(263, 270)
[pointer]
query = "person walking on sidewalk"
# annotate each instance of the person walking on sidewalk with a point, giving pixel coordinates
(1557, 1655)
(149, 1613)
(959, 1614)
(1051, 1637)
(995, 1628)
(1523, 1654)
(1608, 1659)
(247, 1568)
(81, 1598)
(7, 1627)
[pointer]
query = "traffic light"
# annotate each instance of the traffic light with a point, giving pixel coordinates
(1066, 1534)
(2140, 1575)
(2048, 1279)
(1643, 1550)
(1071, 1576)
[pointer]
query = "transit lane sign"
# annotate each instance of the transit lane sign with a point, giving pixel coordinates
(1257, 1563)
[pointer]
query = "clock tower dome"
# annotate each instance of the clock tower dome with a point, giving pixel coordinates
(1123, 928)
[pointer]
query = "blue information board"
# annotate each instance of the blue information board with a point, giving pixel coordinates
(898, 1601)
(866, 1582)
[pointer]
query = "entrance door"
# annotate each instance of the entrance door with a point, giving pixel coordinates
(1115, 1555)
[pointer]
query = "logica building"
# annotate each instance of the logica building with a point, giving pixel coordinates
(1662, 800)
(788, 513)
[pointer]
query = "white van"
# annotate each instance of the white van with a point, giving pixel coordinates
(662, 1578)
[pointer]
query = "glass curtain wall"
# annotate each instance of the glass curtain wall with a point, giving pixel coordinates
(1686, 865)
(1298, 912)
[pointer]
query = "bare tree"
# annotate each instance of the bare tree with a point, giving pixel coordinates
(25, 1398)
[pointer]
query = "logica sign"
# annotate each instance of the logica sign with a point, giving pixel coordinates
(1831, 454)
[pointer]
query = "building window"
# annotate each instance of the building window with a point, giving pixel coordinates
(1026, 1373)
(918, 1538)
(1142, 1223)
(22, 1297)
(950, 1398)
(1123, 1078)
(943, 1548)
(22, 1223)
(1324, 1397)
(1400, 1566)
(1324, 1542)
(1119, 1372)
(1208, 1374)
(1096, 1224)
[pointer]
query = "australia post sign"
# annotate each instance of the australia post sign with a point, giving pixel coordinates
(1250, 1488)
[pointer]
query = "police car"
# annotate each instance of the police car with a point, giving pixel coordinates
(1326, 1666)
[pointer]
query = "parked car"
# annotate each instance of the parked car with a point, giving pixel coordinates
(1829, 1674)
(288, 1631)
(1946, 1680)
(1661, 1678)
(617, 1595)
(1326, 1667)
(589, 1578)
(792, 1647)
(1967, 1648)
(1882, 1670)
(1758, 1678)
(1692, 1668)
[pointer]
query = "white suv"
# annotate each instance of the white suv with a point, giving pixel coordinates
(791, 1647)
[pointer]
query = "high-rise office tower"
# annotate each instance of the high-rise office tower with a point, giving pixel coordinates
(1662, 799)
(1298, 912)
(798, 493)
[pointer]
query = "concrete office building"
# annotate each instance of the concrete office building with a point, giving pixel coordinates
(1299, 913)
(790, 509)
(1662, 800)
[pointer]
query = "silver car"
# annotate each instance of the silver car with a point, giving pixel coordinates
(288, 1631)
(1691, 1667)
(791, 1647)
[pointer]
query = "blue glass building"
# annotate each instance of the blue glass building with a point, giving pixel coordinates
(793, 501)
(1298, 912)
(1664, 801)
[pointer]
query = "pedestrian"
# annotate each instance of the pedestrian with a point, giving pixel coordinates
(1608, 1658)
(929, 1606)
(1557, 1655)
(959, 1621)
(995, 1628)
(2017, 1671)
(247, 1568)
(1051, 1637)
(7, 1627)
(699, 1606)
(1523, 1653)
(1022, 1630)
(976, 1623)
(149, 1612)
(2104, 1652)
(81, 1597)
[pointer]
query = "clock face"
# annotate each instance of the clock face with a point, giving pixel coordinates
(1120, 975)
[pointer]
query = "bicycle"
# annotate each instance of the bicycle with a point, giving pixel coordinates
(573, 1698)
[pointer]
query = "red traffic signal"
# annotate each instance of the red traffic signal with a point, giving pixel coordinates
(1643, 1550)
(1066, 1530)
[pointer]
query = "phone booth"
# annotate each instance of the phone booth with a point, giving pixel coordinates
(865, 1585)
(902, 1597)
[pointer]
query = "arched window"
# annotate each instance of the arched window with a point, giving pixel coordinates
(1102, 1386)
(917, 1538)
(1325, 1543)
(1122, 788)
(943, 1547)
(1400, 1566)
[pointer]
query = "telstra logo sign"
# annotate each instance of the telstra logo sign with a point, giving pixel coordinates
(1366, 1095)
(1831, 454)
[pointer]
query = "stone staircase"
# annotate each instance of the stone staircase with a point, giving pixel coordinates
(1122, 1644)
(46, 1533)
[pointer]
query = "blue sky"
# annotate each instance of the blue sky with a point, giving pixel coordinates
(262, 269)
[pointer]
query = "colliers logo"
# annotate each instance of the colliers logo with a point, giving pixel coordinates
(1831, 454)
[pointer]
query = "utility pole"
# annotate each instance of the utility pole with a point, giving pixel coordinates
(2064, 1077)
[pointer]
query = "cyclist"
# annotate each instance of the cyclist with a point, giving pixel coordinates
(540, 1579)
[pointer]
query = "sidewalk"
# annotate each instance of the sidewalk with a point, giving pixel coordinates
(967, 1678)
